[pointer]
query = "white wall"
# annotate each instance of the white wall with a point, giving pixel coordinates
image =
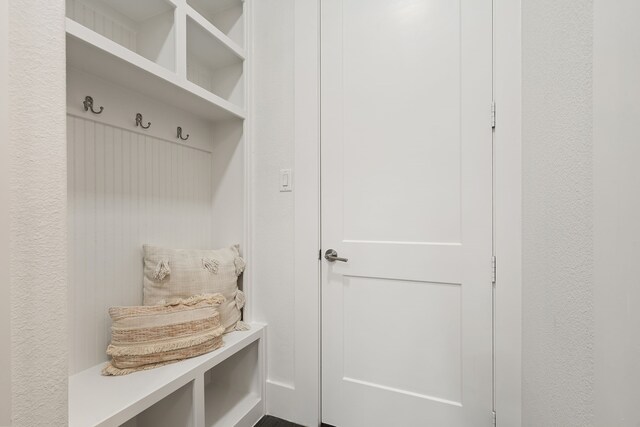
(5, 306)
(285, 225)
(273, 118)
(617, 211)
(37, 225)
(558, 283)
(580, 206)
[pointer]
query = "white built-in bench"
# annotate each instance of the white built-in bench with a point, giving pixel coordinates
(223, 388)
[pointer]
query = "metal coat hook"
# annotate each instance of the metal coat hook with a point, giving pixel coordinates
(88, 105)
(139, 122)
(180, 134)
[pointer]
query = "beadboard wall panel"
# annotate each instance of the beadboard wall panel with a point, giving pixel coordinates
(125, 189)
(113, 28)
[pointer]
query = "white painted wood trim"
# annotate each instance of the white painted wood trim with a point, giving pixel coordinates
(198, 400)
(96, 400)
(172, 80)
(249, 141)
(262, 369)
(295, 402)
(307, 213)
(180, 25)
(508, 212)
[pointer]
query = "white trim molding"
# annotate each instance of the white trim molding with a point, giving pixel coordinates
(307, 211)
(508, 212)
(295, 401)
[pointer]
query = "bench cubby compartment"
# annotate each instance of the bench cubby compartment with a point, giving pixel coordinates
(177, 409)
(232, 389)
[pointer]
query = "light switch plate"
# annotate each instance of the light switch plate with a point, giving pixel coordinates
(286, 180)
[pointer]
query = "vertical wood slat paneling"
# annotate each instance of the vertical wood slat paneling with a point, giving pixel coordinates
(199, 74)
(125, 189)
(101, 23)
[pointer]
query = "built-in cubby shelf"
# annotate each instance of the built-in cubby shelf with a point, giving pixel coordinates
(232, 388)
(163, 49)
(226, 15)
(212, 64)
(181, 64)
(221, 388)
(146, 27)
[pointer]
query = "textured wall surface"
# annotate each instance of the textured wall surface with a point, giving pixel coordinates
(38, 264)
(273, 242)
(5, 303)
(557, 297)
(617, 210)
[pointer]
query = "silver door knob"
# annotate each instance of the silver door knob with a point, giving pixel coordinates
(331, 255)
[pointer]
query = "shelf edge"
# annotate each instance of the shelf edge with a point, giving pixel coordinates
(105, 45)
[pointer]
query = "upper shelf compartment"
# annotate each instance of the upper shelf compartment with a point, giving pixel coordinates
(161, 48)
(214, 62)
(98, 55)
(226, 15)
(146, 27)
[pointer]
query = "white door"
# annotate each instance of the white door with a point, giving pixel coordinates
(407, 198)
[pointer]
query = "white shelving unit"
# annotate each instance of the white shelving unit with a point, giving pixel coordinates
(178, 63)
(159, 72)
(208, 390)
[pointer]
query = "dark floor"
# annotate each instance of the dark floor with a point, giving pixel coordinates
(269, 421)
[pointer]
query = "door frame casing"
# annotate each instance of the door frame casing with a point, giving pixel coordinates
(507, 140)
(507, 211)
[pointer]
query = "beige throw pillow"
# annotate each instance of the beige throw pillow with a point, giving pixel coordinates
(171, 274)
(151, 336)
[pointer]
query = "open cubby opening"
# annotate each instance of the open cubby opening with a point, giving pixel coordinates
(226, 15)
(174, 410)
(146, 27)
(232, 388)
(214, 66)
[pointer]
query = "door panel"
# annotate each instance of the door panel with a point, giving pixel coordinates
(388, 90)
(407, 198)
(372, 337)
